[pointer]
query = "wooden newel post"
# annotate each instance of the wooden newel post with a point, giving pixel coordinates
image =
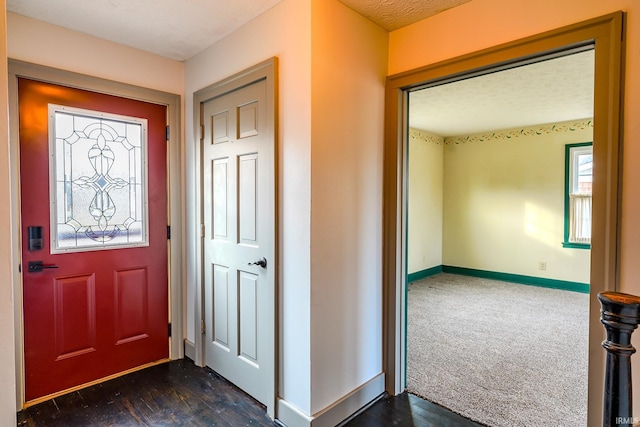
(620, 315)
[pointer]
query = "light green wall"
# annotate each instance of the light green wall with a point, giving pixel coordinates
(493, 202)
(504, 202)
(425, 186)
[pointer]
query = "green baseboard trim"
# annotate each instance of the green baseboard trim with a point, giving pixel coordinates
(422, 274)
(517, 278)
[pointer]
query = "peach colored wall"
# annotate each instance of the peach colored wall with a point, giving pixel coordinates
(7, 358)
(349, 60)
(481, 24)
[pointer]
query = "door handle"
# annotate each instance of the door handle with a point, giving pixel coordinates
(262, 262)
(38, 266)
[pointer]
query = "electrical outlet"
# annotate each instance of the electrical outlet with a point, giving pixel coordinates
(542, 265)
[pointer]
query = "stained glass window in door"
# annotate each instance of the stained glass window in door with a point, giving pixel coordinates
(98, 180)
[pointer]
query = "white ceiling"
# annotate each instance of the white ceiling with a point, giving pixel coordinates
(551, 91)
(180, 29)
(176, 29)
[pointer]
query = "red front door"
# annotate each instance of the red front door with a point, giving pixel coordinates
(93, 189)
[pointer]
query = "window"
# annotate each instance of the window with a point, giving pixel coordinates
(98, 180)
(578, 186)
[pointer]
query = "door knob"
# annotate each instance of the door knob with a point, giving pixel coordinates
(262, 262)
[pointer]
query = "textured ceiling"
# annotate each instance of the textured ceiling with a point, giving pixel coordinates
(550, 91)
(394, 14)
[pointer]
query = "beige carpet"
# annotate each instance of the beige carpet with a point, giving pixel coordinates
(502, 354)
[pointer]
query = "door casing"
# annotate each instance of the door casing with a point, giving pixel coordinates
(606, 33)
(267, 70)
(174, 172)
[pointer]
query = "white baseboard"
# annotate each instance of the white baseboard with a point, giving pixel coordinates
(290, 416)
(335, 413)
(189, 349)
(350, 403)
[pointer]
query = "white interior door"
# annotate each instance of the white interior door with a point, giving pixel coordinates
(239, 239)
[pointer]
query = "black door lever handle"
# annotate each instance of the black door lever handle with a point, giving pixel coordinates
(260, 263)
(38, 266)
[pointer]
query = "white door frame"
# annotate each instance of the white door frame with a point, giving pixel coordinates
(606, 34)
(174, 188)
(266, 70)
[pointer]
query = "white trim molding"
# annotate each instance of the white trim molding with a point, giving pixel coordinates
(335, 414)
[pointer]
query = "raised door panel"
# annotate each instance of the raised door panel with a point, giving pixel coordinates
(220, 132)
(248, 120)
(248, 317)
(247, 199)
(220, 184)
(74, 315)
(131, 305)
(221, 301)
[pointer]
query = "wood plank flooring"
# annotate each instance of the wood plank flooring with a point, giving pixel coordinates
(409, 410)
(178, 393)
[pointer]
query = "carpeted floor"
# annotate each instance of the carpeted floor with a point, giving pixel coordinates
(502, 354)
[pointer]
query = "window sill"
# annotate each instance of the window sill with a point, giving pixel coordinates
(576, 245)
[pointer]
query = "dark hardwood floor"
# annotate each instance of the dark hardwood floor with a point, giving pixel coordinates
(179, 393)
(409, 410)
(176, 393)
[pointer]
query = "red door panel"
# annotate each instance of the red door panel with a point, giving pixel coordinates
(99, 312)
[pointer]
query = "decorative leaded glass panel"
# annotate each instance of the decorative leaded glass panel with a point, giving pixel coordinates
(98, 176)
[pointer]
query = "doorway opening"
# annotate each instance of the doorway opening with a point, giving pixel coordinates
(604, 34)
(486, 216)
